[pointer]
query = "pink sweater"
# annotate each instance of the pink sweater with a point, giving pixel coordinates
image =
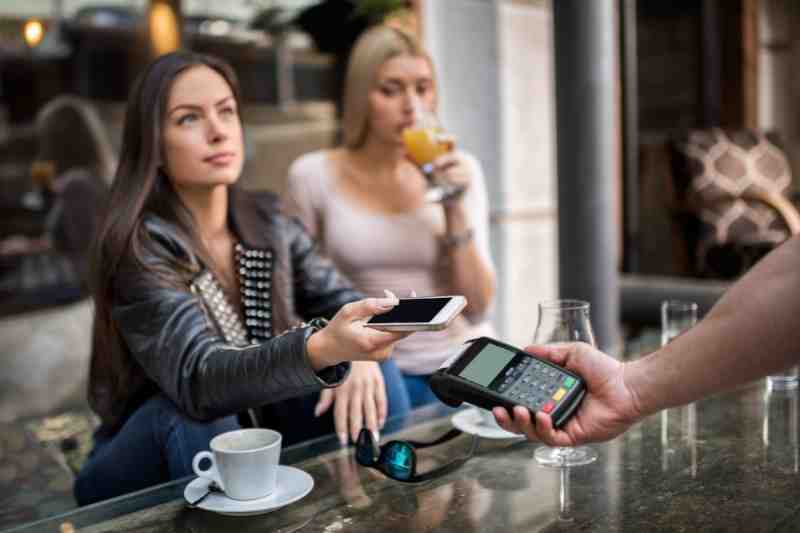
(398, 252)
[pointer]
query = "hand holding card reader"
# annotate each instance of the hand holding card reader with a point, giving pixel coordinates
(489, 373)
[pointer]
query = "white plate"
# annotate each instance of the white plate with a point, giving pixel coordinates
(470, 421)
(291, 485)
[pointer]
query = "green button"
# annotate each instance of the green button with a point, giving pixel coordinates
(569, 382)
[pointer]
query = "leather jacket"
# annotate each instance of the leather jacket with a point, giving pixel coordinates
(186, 342)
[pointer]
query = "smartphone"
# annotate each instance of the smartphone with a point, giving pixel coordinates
(426, 313)
(490, 373)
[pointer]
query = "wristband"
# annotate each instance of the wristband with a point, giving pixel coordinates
(317, 324)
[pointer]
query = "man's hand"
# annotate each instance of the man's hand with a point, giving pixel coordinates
(607, 410)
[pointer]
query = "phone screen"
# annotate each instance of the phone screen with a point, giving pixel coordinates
(488, 364)
(412, 310)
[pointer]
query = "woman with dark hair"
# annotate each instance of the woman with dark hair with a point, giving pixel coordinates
(200, 289)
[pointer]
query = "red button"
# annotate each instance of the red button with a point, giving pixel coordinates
(548, 406)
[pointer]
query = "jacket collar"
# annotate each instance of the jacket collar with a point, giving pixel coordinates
(252, 217)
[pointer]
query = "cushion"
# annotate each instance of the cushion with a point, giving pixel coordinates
(718, 172)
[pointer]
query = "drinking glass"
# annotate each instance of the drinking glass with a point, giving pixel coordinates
(779, 430)
(677, 316)
(42, 176)
(786, 380)
(564, 321)
(425, 140)
(679, 424)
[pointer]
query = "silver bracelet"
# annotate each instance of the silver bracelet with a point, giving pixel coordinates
(458, 239)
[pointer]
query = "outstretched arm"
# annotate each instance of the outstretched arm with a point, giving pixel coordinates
(752, 331)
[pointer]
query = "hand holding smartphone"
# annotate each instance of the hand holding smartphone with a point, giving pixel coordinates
(426, 313)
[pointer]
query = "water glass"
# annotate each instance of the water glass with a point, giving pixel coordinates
(786, 380)
(780, 430)
(679, 424)
(677, 316)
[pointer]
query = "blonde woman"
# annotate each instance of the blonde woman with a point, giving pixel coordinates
(364, 202)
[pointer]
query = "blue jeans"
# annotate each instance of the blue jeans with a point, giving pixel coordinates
(397, 397)
(418, 390)
(158, 442)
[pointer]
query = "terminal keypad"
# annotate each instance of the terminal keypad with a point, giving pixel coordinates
(535, 384)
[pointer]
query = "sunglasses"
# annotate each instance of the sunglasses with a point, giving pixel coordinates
(397, 459)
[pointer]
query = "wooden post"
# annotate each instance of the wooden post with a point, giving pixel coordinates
(750, 20)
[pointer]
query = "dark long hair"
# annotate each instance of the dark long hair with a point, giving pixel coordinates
(139, 186)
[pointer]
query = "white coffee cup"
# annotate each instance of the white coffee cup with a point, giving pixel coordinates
(244, 462)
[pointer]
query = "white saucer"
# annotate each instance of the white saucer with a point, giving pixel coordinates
(292, 484)
(470, 421)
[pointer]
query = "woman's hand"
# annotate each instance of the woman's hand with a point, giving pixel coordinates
(359, 401)
(346, 339)
(452, 168)
(607, 410)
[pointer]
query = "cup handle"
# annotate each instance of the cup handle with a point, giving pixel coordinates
(211, 473)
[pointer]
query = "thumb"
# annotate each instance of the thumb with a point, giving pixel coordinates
(556, 353)
(370, 307)
(570, 355)
(324, 403)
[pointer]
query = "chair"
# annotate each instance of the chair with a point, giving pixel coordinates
(733, 192)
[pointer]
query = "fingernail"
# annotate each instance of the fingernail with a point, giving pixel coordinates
(376, 435)
(343, 439)
(317, 409)
(412, 293)
(390, 295)
(389, 301)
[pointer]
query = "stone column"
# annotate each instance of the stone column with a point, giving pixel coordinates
(588, 159)
(494, 62)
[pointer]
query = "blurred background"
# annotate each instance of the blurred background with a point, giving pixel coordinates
(635, 150)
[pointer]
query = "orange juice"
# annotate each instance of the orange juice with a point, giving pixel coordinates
(426, 144)
(43, 173)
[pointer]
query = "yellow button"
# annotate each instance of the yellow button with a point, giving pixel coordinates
(559, 394)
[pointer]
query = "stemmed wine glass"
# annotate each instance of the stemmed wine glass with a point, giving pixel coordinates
(564, 321)
(425, 140)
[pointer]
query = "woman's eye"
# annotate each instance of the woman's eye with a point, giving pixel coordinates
(423, 89)
(389, 91)
(227, 111)
(187, 119)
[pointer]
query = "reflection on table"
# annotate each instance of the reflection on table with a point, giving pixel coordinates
(736, 464)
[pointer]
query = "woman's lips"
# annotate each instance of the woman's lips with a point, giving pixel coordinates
(220, 159)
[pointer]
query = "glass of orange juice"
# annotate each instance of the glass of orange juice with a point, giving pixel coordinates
(425, 141)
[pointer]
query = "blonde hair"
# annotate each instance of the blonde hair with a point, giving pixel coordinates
(373, 49)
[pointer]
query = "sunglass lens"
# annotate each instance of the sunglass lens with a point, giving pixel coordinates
(366, 449)
(399, 459)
